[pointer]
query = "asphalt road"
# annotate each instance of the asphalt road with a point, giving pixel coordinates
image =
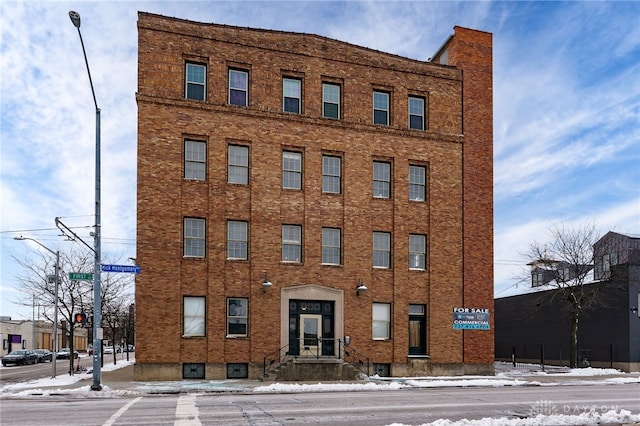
(410, 406)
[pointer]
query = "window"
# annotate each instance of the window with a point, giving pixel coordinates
(292, 243)
(237, 311)
(193, 371)
(537, 279)
(381, 321)
(381, 250)
(195, 165)
(381, 108)
(195, 83)
(238, 164)
(194, 316)
(291, 95)
(237, 240)
(417, 330)
(417, 183)
(382, 370)
(331, 174)
(194, 237)
(238, 87)
(292, 170)
(381, 179)
(417, 251)
(416, 113)
(237, 371)
(331, 100)
(609, 260)
(331, 253)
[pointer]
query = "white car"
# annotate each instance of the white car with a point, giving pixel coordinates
(110, 349)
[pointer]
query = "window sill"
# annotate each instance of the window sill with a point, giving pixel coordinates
(232, 336)
(420, 356)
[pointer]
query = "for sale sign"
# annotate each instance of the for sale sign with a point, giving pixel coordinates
(471, 319)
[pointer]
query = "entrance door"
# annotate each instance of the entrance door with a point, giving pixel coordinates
(310, 335)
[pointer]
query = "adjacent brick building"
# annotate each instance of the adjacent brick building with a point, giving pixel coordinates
(279, 172)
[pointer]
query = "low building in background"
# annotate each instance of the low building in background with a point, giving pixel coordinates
(535, 326)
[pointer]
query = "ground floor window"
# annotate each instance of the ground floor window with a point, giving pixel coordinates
(194, 316)
(382, 370)
(237, 309)
(193, 371)
(381, 326)
(237, 371)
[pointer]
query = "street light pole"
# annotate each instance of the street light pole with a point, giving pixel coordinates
(97, 295)
(55, 303)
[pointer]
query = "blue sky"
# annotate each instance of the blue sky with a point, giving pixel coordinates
(566, 111)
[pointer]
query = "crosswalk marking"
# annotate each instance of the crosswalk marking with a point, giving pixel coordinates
(121, 411)
(186, 411)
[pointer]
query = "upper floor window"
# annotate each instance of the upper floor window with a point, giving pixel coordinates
(195, 164)
(291, 170)
(417, 251)
(417, 183)
(238, 164)
(238, 87)
(292, 243)
(381, 250)
(416, 113)
(331, 251)
(381, 108)
(381, 179)
(237, 240)
(331, 100)
(331, 174)
(193, 309)
(195, 83)
(291, 95)
(609, 260)
(194, 237)
(237, 314)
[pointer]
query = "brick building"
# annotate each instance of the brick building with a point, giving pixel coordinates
(297, 193)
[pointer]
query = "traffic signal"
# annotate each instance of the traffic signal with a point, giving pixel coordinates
(80, 318)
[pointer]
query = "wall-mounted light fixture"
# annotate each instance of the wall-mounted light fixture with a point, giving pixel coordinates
(361, 288)
(634, 310)
(266, 283)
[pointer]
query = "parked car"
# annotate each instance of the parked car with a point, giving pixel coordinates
(130, 348)
(22, 357)
(111, 349)
(44, 355)
(64, 354)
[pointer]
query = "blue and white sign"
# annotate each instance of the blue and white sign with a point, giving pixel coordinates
(471, 319)
(127, 269)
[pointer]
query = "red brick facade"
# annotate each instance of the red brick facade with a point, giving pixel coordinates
(456, 217)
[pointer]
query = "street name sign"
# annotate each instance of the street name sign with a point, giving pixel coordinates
(128, 269)
(79, 276)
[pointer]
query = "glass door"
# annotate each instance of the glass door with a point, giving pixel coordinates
(310, 335)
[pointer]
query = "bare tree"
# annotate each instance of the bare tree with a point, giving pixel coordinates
(74, 296)
(115, 315)
(564, 264)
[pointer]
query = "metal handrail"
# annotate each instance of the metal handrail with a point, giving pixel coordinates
(348, 354)
(280, 355)
(357, 359)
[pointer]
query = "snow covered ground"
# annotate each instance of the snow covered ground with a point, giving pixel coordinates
(505, 376)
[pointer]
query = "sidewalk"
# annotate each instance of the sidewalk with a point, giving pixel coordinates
(117, 380)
